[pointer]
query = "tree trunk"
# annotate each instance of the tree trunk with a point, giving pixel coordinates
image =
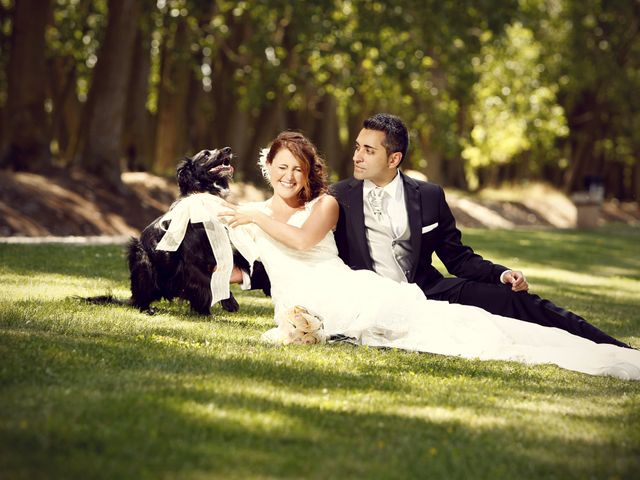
(67, 109)
(269, 123)
(223, 94)
(27, 137)
(635, 181)
(199, 117)
(578, 158)
(584, 131)
(552, 173)
(240, 125)
(307, 117)
(433, 170)
(454, 167)
(328, 136)
(172, 104)
(5, 46)
(136, 133)
(3, 123)
(106, 106)
(200, 109)
(355, 118)
(614, 180)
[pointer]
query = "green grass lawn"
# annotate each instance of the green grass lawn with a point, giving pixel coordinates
(107, 392)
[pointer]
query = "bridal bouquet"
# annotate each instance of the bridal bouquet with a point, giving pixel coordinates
(298, 326)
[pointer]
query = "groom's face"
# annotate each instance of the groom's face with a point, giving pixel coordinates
(370, 159)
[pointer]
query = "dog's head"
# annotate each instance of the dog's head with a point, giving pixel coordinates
(207, 171)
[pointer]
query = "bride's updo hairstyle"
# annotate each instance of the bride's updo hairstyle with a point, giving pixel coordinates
(312, 164)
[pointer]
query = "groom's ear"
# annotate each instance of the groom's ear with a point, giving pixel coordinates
(394, 159)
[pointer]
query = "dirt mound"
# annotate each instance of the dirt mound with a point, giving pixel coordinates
(73, 203)
(534, 205)
(77, 204)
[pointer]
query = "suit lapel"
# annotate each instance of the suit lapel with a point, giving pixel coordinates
(414, 214)
(356, 229)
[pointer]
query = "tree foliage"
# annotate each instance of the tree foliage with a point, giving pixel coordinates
(491, 90)
(515, 112)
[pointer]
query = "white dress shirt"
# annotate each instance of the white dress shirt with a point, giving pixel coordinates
(392, 203)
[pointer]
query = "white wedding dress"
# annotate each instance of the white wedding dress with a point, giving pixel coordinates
(380, 312)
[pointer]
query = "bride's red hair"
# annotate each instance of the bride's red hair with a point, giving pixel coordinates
(311, 162)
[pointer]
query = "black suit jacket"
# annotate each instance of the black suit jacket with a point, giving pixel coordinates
(426, 206)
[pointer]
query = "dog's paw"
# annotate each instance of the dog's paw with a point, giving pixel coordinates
(230, 304)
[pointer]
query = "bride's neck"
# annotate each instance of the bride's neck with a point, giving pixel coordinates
(289, 204)
(282, 210)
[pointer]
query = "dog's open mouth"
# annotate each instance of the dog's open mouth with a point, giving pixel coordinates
(223, 170)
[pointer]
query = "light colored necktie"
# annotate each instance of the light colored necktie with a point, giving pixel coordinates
(375, 200)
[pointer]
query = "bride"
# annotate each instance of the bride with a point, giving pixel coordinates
(291, 234)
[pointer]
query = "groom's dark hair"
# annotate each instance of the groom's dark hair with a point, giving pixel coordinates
(396, 133)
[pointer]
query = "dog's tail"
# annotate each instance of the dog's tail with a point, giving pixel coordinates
(104, 300)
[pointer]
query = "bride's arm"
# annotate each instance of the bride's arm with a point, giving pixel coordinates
(322, 219)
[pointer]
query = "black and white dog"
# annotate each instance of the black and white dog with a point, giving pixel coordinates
(186, 272)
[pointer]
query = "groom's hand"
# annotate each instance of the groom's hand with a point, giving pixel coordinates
(517, 280)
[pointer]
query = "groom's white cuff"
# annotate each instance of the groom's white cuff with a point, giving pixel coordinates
(502, 276)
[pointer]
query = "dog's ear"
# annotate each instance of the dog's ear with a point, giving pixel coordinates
(185, 176)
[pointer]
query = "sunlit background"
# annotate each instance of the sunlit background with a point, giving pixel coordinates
(494, 91)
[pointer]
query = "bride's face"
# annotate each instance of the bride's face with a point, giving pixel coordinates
(287, 176)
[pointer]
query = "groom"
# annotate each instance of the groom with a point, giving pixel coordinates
(392, 224)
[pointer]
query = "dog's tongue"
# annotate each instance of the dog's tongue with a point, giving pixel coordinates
(222, 168)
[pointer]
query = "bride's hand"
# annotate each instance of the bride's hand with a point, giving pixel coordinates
(236, 215)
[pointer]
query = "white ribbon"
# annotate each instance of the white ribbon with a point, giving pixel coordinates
(202, 208)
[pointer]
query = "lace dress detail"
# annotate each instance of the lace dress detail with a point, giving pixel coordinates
(380, 312)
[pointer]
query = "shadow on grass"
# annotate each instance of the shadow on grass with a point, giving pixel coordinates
(599, 307)
(123, 401)
(251, 303)
(112, 406)
(595, 252)
(99, 261)
(155, 346)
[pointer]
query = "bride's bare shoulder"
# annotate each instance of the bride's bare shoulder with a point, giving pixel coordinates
(327, 199)
(323, 202)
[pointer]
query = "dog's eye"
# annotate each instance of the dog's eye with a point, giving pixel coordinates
(206, 154)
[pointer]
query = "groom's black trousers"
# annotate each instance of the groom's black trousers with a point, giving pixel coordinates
(501, 300)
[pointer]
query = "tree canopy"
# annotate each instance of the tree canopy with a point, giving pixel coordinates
(492, 90)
